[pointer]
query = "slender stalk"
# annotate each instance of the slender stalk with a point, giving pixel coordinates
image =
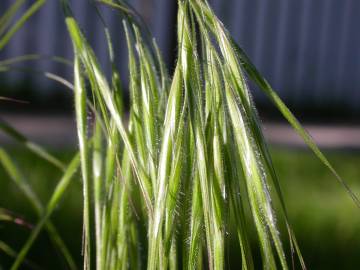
(81, 120)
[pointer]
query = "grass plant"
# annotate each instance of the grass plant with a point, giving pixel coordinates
(168, 186)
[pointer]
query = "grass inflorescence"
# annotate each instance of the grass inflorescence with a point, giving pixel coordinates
(187, 172)
(194, 142)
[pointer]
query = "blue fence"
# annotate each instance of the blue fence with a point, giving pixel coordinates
(308, 50)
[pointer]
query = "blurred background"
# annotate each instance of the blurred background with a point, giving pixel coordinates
(308, 50)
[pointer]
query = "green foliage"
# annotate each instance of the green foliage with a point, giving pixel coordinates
(196, 140)
(8, 30)
(19, 179)
(179, 174)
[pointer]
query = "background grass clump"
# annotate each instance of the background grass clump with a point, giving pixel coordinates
(324, 218)
(185, 180)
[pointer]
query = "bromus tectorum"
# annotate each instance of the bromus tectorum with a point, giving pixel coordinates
(187, 173)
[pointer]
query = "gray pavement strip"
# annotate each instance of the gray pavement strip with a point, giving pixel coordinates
(52, 131)
(326, 136)
(60, 131)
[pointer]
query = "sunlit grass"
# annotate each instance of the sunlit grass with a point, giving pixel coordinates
(317, 207)
(187, 172)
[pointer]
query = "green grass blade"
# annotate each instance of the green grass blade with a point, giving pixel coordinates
(9, 14)
(190, 72)
(19, 180)
(32, 57)
(20, 22)
(195, 256)
(120, 6)
(93, 69)
(54, 200)
(98, 187)
(33, 147)
(168, 178)
(17, 177)
(9, 251)
(257, 192)
(149, 99)
(135, 97)
(234, 172)
(110, 168)
(265, 86)
(81, 120)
